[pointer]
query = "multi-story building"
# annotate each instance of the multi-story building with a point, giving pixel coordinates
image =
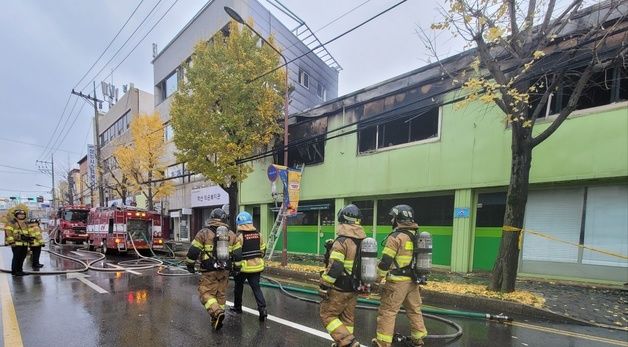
(313, 77)
(405, 140)
(113, 132)
(84, 191)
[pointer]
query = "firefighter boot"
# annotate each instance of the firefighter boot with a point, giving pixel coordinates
(217, 322)
(235, 309)
(262, 314)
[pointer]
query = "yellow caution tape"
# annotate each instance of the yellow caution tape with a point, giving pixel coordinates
(549, 237)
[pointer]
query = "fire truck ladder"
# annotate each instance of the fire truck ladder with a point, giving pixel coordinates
(275, 231)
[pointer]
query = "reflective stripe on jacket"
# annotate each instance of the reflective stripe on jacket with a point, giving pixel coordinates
(342, 255)
(397, 253)
(202, 247)
(13, 232)
(249, 249)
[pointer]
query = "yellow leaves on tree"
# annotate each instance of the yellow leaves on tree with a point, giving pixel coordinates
(142, 160)
(220, 115)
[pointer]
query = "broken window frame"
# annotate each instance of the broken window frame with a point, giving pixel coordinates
(380, 130)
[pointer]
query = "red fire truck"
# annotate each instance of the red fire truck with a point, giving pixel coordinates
(118, 228)
(70, 223)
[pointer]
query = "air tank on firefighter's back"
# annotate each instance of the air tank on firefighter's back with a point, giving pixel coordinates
(423, 255)
(222, 243)
(368, 254)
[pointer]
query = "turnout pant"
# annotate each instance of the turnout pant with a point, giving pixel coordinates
(253, 279)
(393, 296)
(211, 291)
(19, 254)
(36, 253)
(337, 314)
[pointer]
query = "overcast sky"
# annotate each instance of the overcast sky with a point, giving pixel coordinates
(47, 46)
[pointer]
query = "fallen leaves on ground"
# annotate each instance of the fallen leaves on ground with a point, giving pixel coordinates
(523, 297)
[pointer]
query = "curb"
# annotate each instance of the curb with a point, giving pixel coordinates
(457, 301)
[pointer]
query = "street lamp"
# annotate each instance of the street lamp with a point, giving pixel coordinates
(233, 14)
(52, 190)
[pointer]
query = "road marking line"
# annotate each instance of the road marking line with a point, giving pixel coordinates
(289, 323)
(569, 333)
(123, 269)
(10, 326)
(81, 277)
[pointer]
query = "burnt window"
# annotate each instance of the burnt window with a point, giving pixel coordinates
(603, 88)
(412, 128)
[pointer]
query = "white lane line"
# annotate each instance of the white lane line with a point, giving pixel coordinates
(294, 325)
(10, 326)
(123, 269)
(81, 277)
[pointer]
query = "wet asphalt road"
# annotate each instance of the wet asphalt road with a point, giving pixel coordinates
(153, 310)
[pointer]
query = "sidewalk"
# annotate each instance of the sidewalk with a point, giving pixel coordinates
(560, 301)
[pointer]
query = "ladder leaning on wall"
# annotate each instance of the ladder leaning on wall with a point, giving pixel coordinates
(282, 218)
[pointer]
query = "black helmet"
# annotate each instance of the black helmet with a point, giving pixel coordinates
(350, 214)
(401, 213)
(219, 213)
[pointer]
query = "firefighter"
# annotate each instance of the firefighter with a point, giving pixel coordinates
(36, 243)
(401, 286)
(210, 246)
(248, 256)
(17, 236)
(337, 283)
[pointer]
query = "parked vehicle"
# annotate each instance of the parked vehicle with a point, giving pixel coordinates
(120, 228)
(70, 224)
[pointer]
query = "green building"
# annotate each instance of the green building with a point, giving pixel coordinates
(407, 140)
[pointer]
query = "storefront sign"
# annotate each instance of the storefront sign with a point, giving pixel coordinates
(209, 196)
(91, 165)
(175, 214)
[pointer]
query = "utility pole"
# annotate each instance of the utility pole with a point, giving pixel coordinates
(95, 101)
(43, 168)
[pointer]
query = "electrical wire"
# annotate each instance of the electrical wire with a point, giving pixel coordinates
(108, 45)
(123, 45)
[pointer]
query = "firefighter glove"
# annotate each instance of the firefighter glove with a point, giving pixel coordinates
(322, 291)
(191, 268)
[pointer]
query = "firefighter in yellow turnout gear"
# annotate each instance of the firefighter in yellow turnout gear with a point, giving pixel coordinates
(401, 286)
(210, 246)
(36, 243)
(17, 235)
(248, 256)
(337, 310)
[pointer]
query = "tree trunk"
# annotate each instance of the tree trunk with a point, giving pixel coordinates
(505, 269)
(150, 191)
(232, 190)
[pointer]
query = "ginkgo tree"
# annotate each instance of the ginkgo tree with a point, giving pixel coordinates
(524, 52)
(142, 161)
(222, 112)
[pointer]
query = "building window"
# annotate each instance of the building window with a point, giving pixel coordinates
(604, 87)
(304, 78)
(170, 84)
(413, 128)
(116, 129)
(429, 211)
(168, 132)
(321, 91)
(491, 209)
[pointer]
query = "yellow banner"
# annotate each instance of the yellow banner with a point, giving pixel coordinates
(294, 188)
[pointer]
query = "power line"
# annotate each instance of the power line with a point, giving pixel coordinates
(24, 191)
(52, 136)
(35, 145)
(123, 45)
(109, 45)
(18, 168)
(55, 138)
(330, 41)
(142, 39)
